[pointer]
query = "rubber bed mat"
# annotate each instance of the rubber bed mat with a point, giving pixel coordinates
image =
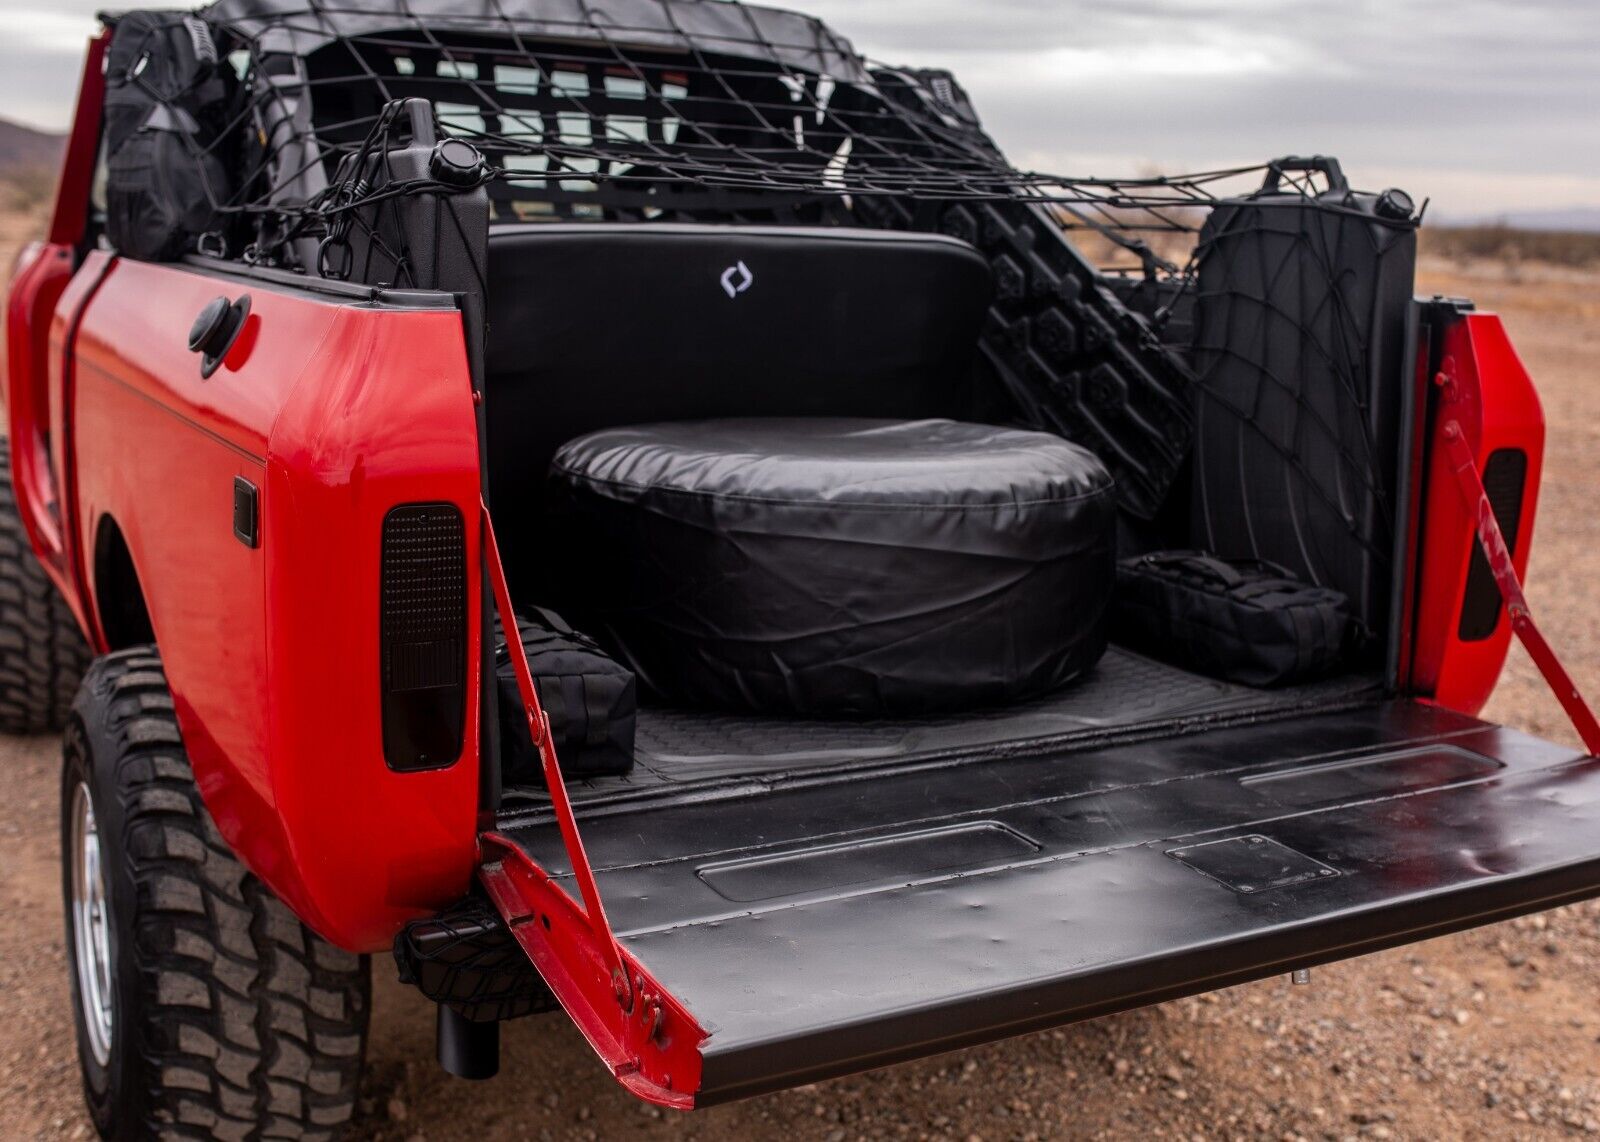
(675, 748)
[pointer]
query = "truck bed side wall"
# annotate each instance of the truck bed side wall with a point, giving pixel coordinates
(1490, 395)
(43, 275)
(335, 413)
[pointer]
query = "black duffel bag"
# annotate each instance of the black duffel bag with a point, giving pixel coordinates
(170, 101)
(1247, 621)
(588, 696)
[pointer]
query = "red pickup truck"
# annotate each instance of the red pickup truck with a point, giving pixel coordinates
(1024, 598)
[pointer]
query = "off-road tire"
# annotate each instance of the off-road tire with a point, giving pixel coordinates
(42, 652)
(230, 1019)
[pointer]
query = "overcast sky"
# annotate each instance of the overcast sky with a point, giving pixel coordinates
(1482, 105)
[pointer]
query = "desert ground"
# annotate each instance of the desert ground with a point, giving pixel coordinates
(1493, 1033)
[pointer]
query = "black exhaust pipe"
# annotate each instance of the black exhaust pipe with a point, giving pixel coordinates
(468, 1050)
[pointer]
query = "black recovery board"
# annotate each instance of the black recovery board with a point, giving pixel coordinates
(814, 926)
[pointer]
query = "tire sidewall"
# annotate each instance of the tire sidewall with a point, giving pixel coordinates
(229, 1016)
(43, 653)
(112, 1096)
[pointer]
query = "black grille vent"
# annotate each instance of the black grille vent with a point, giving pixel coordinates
(1504, 477)
(423, 615)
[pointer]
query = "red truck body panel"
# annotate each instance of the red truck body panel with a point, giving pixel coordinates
(42, 275)
(335, 412)
(69, 220)
(1484, 388)
(335, 409)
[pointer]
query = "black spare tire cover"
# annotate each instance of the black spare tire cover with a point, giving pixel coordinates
(844, 566)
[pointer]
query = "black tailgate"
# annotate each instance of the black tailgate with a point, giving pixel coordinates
(824, 925)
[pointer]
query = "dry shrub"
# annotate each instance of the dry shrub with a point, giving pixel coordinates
(24, 189)
(1511, 246)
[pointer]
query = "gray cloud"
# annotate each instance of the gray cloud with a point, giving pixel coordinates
(1495, 103)
(1484, 104)
(41, 58)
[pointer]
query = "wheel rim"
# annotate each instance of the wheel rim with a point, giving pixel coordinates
(91, 926)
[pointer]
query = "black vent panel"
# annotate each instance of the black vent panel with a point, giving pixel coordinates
(423, 632)
(1504, 477)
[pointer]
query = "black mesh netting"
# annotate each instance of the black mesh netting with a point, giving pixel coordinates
(709, 110)
(645, 109)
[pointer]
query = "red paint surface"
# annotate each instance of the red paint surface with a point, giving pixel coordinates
(652, 1045)
(69, 220)
(336, 413)
(1491, 397)
(538, 723)
(42, 274)
(1498, 555)
(39, 280)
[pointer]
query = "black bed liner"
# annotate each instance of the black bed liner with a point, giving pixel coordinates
(1126, 693)
(819, 927)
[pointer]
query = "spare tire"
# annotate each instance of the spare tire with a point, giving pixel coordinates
(858, 567)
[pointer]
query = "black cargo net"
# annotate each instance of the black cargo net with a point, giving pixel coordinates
(710, 110)
(699, 109)
(1299, 349)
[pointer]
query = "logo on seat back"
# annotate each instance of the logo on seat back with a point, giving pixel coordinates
(736, 279)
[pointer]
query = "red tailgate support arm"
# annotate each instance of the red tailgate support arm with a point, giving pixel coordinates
(645, 1036)
(1470, 483)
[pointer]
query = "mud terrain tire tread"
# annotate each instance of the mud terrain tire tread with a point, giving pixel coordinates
(42, 652)
(244, 1024)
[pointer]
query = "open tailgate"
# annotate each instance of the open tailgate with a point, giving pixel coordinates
(790, 930)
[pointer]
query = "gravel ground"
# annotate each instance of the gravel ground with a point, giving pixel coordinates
(1487, 1034)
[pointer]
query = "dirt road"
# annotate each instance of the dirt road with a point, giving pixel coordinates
(1488, 1034)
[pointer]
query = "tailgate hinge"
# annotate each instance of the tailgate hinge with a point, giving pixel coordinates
(1498, 555)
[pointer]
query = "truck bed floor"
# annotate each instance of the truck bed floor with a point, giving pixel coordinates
(1126, 691)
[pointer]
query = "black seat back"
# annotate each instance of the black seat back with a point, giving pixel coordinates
(593, 325)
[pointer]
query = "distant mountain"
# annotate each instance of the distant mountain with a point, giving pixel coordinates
(1570, 219)
(23, 148)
